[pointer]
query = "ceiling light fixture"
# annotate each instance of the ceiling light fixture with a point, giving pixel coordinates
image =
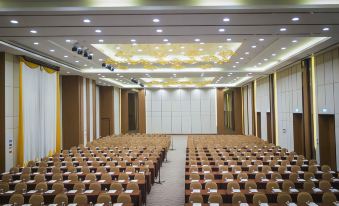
(261, 39)
(36, 43)
(326, 29)
(33, 31)
(159, 30)
(247, 53)
(76, 61)
(234, 66)
(13, 21)
(101, 40)
(294, 41)
(52, 50)
(283, 48)
(165, 40)
(156, 20)
(98, 31)
(254, 46)
(283, 29)
(66, 56)
(87, 21)
(228, 39)
(221, 30)
(226, 19)
(295, 18)
(274, 54)
(197, 40)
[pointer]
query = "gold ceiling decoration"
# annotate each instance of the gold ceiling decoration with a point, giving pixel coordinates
(176, 56)
(168, 82)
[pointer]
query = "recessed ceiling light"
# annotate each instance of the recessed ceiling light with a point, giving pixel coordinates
(247, 53)
(283, 29)
(87, 21)
(234, 66)
(182, 47)
(326, 29)
(103, 76)
(170, 50)
(237, 62)
(254, 46)
(229, 39)
(283, 48)
(33, 31)
(259, 63)
(228, 75)
(265, 59)
(168, 43)
(139, 50)
(200, 49)
(13, 21)
(156, 20)
(133, 40)
(295, 19)
(68, 72)
(274, 54)
(101, 40)
(182, 53)
(100, 60)
(98, 31)
(174, 74)
(36, 43)
(99, 74)
(66, 56)
(159, 30)
(77, 61)
(196, 40)
(241, 58)
(261, 39)
(134, 44)
(220, 46)
(156, 47)
(165, 40)
(249, 73)
(117, 47)
(221, 30)
(226, 19)
(294, 41)
(85, 65)
(68, 40)
(52, 50)
(202, 43)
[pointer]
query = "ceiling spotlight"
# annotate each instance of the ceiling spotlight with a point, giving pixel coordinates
(159, 30)
(85, 65)
(52, 50)
(68, 72)
(294, 41)
(226, 19)
(139, 50)
(295, 19)
(247, 53)
(237, 62)
(33, 31)
(133, 40)
(200, 49)
(100, 60)
(228, 39)
(261, 39)
(241, 58)
(219, 46)
(101, 40)
(117, 48)
(234, 66)
(221, 30)
(156, 20)
(68, 40)
(196, 40)
(326, 29)
(274, 54)
(97, 31)
(283, 29)
(283, 48)
(13, 21)
(85, 53)
(165, 40)
(36, 43)
(76, 61)
(254, 46)
(201, 43)
(66, 56)
(265, 59)
(87, 21)
(79, 51)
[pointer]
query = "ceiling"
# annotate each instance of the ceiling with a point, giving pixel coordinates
(265, 39)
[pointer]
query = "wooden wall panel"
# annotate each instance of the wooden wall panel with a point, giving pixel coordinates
(72, 123)
(142, 111)
(88, 106)
(238, 117)
(94, 106)
(106, 110)
(220, 111)
(2, 114)
(124, 111)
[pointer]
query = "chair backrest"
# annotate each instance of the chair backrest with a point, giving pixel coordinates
(140, 177)
(287, 185)
(79, 186)
(308, 186)
(259, 198)
(308, 175)
(211, 185)
(242, 175)
(4, 186)
(17, 199)
(57, 176)
(116, 186)
(95, 186)
(227, 176)
(90, 177)
(325, 185)
(313, 168)
(106, 177)
(7, 177)
(20, 187)
(36, 200)
(325, 168)
(80, 199)
(329, 198)
(41, 186)
(304, 198)
(282, 169)
(195, 185)
(293, 177)
(327, 176)
(25, 177)
(104, 198)
(275, 176)
(132, 186)
(39, 178)
(61, 199)
(238, 198)
(123, 176)
(124, 198)
(58, 187)
(85, 170)
(250, 185)
(233, 185)
(271, 185)
(215, 198)
(259, 176)
(209, 176)
(283, 197)
(196, 198)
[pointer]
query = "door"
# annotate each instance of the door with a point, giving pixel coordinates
(105, 127)
(327, 140)
(298, 135)
(269, 127)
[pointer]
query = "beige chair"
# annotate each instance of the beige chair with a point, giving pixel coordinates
(275, 176)
(211, 185)
(313, 169)
(41, 186)
(227, 176)
(308, 175)
(325, 185)
(139, 177)
(96, 187)
(215, 198)
(308, 186)
(25, 177)
(325, 168)
(102, 169)
(304, 198)
(61, 199)
(57, 177)
(242, 175)
(116, 186)
(294, 177)
(91, 177)
(56, 170)
(124, 198)
(329, 198)
(259, 176)
(295, 168)
(283, 198)
(42, 170)
(195, 185)
(79, 186)
(39, 178)
(36, 200)
(73, 177)
(107, 177)
(196, 198)
(4, 186)
(123, 176)
(132, 186)
(20, 187)
(104, 198)
(14, 170)
(250, 185)
(26, 170)
(238, 198)
(85, 170)
(6, 177)
(259, 198)
(80, 199)
(17, 199)
(271, 185)
(232, 185)
(287, 185)
(58, 187)
(327, 176)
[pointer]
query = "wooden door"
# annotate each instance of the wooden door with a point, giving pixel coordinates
(259, 124)
(298, 135)
(327, 140)
(105, 127)
(269, 127)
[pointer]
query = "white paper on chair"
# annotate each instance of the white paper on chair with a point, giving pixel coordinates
(30, 181)
(196, 204)
(312, 204)
(335, 180)
(263, 204)
(316, 190)
(112, 191)
(10, 192)
(279, 180)
(72, 191)
(129, 191)
(194, 180)
(301, 180)
(72, 204)
(253, 190)
(121, 181)
(53, 205)
(86, 181)
(236, 190)
(292, 190)
(99, 204)
(334, 190)
(67, 181)
(49, 191)
(51, 181)
(118, 204)
(213, 191)
(26, 205)
(291, 204)
(243, 204)
(16, 181)
(101, 181)
(89, 191)
(224, 172)
(134, 180)
(196, 191)
(314, 180)
(265, 180)
(32, 191)
(214, 204)
(229, 180)
(276, 190)
(129, 173)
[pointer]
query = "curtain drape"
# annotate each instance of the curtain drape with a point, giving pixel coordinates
(39, 126)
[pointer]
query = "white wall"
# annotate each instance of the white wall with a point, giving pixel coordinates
(248, 107)
(116, 94)
(11, 108)
(97, 112)
(181, 111)
(327, 91)
(289, 101)
(263, 104)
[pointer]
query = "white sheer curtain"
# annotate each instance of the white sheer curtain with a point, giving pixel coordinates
(39, 95)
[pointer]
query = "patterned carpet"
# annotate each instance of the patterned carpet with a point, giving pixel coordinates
(171, 192)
